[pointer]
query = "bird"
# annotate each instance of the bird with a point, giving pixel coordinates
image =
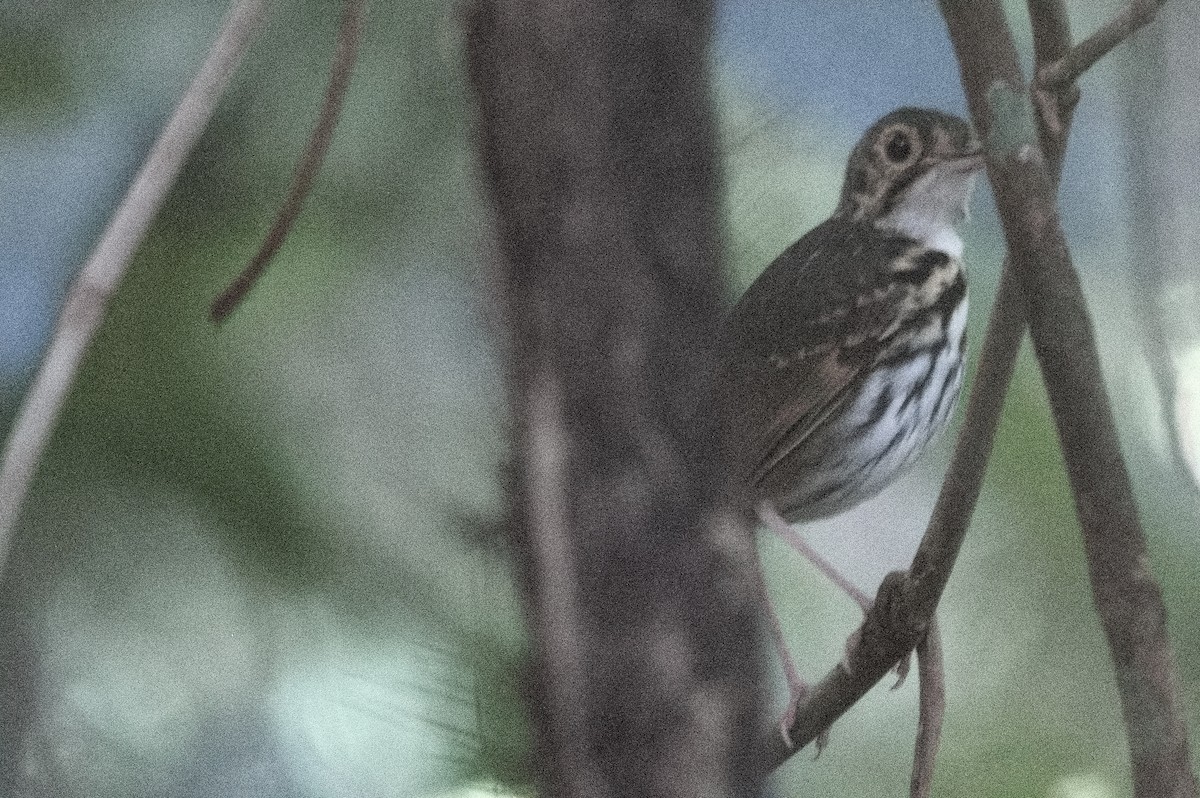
(844, 358)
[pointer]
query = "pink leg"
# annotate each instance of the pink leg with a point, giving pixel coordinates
(782, 529)
(796, 686)
(771, 518)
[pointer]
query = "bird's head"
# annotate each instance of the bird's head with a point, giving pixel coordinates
(913, 172)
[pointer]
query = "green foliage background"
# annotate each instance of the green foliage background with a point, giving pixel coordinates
(266, 557)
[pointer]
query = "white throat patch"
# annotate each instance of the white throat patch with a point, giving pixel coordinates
(930, 208)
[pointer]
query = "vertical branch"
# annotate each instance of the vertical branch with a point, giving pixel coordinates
(1127, 598)
(87, 298)
(597, 147)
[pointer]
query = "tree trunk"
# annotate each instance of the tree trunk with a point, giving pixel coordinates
(597, 145)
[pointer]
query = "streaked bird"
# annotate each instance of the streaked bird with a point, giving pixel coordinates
(845, 357)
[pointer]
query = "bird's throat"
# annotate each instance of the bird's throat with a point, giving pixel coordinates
(931, 206)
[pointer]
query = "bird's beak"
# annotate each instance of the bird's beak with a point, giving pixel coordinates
(972, 162)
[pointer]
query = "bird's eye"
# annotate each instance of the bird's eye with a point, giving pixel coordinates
(899, 147)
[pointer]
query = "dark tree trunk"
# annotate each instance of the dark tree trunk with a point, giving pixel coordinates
(597, 144)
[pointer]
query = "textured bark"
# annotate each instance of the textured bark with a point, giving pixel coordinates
(597, 148)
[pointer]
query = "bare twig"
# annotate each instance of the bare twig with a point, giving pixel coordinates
(932, 700)
(88, 295)
(1056, 104)
(884, 640)
(931, 678)
(939, 547)
(888, 634)
(346, 54)
(1067, 69)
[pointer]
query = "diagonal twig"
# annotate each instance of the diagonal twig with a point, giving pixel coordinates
(1063, 72)
(884, 640)
(345, 55)
(96, 282)
(939, 547)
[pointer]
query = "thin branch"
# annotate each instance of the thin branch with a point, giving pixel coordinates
(931, 678)
(1056, 104)
(1067, 70)
(938, 551)
(884, 640)
(930, 668)
(346, 54)
(84, 307)
(886, 635)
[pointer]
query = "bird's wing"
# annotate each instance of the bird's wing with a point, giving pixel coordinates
(802, 337)
(794, 392)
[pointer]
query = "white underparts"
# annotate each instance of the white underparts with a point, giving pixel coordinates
(889, 421)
